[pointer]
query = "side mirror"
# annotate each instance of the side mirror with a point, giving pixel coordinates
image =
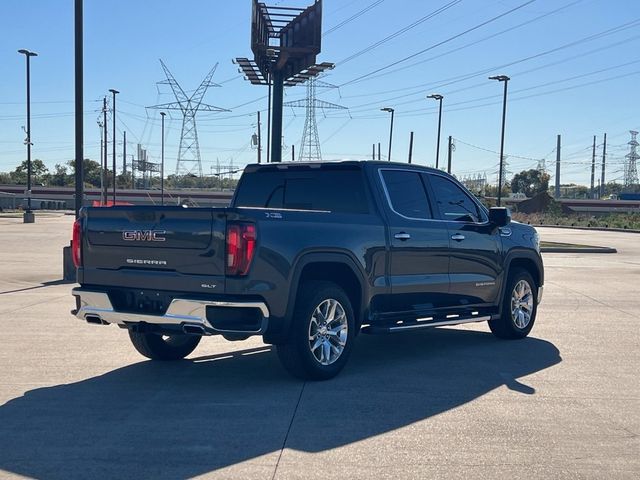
(499, 216)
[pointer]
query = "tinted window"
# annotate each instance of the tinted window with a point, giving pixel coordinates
(407, 194)
(333, 189)
(453, 202)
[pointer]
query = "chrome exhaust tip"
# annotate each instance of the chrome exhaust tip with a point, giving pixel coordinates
(194, 330)
(95, 319)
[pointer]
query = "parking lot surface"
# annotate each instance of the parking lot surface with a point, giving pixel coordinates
(76, 400)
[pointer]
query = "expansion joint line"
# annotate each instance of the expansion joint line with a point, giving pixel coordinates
(286, 437)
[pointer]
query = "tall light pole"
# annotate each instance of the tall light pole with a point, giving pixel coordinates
(437, 96)
(28, 216)
(78, 101)
(392, 111)
(505, 79)
(162, 114)
(114, 92)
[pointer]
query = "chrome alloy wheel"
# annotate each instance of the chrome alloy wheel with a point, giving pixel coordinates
(522, 304)
(328, 330)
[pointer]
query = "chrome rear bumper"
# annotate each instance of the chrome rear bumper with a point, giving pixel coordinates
(95, 307)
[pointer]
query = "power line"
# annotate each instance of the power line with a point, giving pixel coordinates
(476, 42)
(405, 29)
(468, 76)
(353, 17)
(458, 35)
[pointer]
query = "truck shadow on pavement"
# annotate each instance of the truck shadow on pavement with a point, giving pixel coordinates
(178, 420)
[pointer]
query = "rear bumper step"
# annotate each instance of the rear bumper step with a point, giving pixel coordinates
(416, 325)
(188, 315)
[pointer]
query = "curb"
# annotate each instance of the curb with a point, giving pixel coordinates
(600, 229)
(578, 250)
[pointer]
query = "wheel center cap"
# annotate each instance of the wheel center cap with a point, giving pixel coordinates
(322, 330)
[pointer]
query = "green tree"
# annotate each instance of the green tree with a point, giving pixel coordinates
(91, 172)
(530, 182)
(59, 177)
(612, 188)
(124, 180)
(492, 190)
(38, 172)
(573, 190)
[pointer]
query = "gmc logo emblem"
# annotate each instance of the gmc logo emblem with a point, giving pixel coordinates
(144, 235)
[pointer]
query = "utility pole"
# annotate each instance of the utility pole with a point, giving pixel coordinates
(293, 153)
(162, 114)
(593, 169)
(379, 151)
(604, 156)
(410, 146)
(113, 134)
(259, 140)
(558, 146)
(373, 152)
(105, 155)
(102, 179)
(450, 153)
(124, 153)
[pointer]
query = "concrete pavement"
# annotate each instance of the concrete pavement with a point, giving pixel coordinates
(76, 400)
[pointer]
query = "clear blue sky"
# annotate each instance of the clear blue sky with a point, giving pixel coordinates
(577, 84)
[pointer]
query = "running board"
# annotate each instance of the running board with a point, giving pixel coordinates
(401, 327)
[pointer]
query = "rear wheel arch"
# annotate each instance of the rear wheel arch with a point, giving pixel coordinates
(337, 268)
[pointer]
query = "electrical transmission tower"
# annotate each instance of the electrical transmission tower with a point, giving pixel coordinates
(542, 165)
(505, 172)
(630, 169)
(310, 144)
(477, 183)
(189, 161)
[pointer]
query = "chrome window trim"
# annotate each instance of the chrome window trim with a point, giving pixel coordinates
(386, 193)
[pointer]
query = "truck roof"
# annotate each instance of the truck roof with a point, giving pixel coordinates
(360, 163)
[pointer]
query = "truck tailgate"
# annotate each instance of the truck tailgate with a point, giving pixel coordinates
(155, 248)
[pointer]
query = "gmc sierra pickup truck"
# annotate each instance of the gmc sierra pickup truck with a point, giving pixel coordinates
(308, 255)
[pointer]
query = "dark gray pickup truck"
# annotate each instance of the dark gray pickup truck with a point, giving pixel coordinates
(307, 256)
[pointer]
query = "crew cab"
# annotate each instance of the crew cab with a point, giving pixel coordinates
(308, 255)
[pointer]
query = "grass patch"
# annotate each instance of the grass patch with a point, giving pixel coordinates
(625, 221)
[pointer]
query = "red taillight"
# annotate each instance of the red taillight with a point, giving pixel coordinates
(76, 243)
(241, 245)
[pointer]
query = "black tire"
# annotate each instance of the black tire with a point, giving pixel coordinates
(159, 347)
(296, 353)
(507, 326)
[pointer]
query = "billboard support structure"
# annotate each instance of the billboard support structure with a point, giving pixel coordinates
(285, 42)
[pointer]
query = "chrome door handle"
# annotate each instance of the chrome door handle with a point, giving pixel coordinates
(457, 237)
(402, 236)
